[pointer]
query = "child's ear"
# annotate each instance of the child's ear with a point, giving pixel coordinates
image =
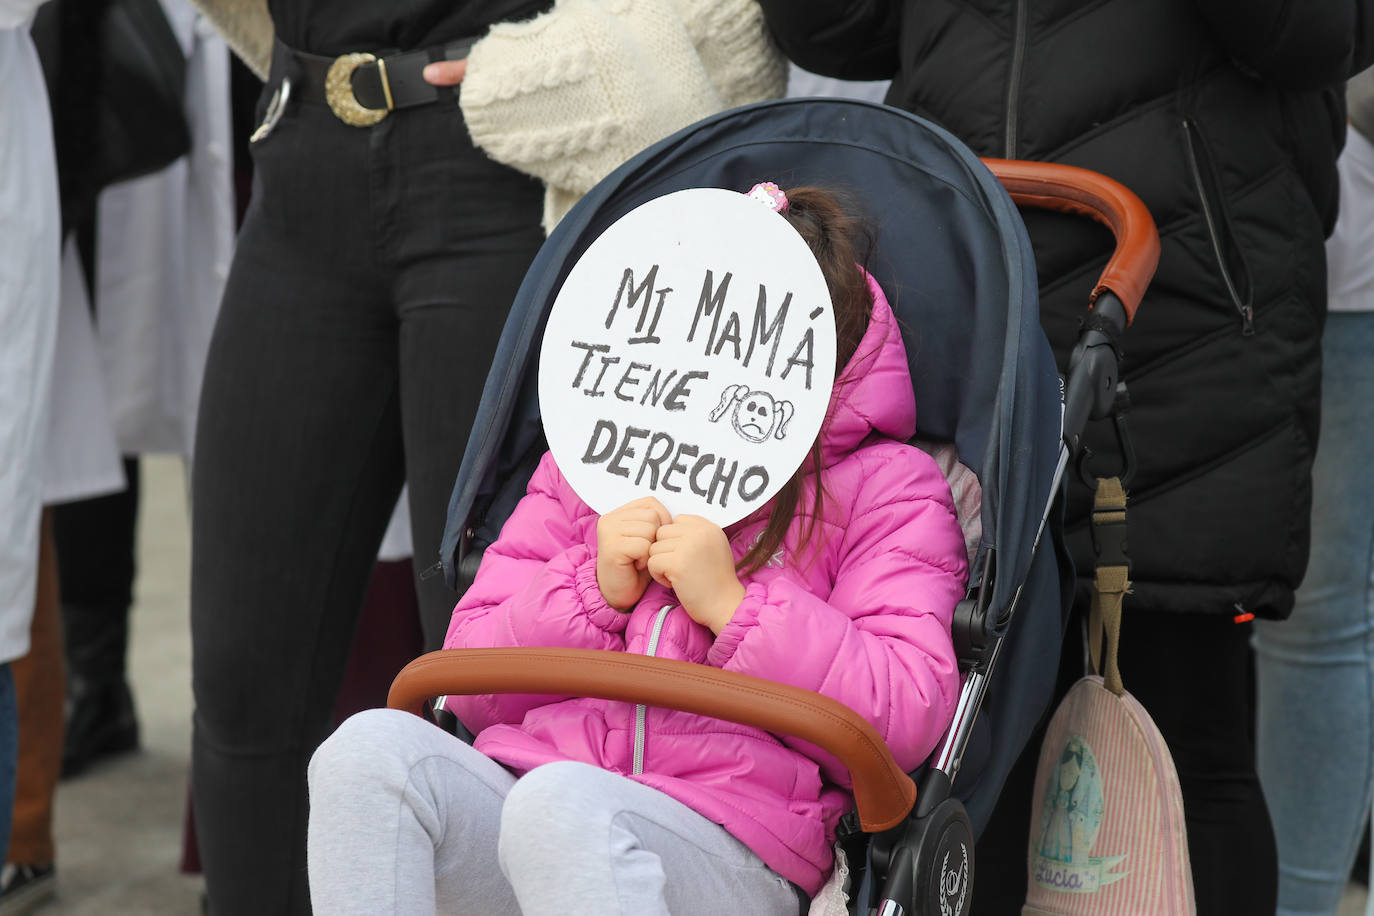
(730, 395)
(785, 412)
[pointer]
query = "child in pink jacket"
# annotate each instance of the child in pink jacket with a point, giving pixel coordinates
(575, 805)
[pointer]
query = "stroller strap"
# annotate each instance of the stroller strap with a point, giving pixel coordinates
(1111, 581)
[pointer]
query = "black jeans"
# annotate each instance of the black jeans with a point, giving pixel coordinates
(370, 284)
(95, 540)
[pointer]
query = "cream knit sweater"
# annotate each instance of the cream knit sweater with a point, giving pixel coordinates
(571, 94)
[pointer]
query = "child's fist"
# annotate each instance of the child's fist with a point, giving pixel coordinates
(692, 557)
(623, 538)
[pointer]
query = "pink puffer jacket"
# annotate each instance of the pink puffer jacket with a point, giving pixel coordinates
(865, 619)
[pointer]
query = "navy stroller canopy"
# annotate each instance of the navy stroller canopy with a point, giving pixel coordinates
(951, 254)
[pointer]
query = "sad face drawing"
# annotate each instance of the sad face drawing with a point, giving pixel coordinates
(756, 414)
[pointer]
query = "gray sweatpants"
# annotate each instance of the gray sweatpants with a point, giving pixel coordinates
(407, 819)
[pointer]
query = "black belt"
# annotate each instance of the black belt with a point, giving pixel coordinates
(363, 88)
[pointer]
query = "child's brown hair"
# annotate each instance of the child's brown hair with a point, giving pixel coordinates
(840, 241)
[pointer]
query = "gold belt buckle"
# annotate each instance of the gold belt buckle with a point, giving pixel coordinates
(338, 90)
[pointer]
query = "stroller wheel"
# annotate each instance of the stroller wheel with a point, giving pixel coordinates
(931, 868)
(944, 883)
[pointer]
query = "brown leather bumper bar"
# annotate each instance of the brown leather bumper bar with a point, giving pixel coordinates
(1050, 186)
(883, 793)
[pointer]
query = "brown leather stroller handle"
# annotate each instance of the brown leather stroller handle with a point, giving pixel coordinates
(1069, 189)
(883, 793)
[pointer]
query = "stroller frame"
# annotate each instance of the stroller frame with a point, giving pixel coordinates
(921, 854)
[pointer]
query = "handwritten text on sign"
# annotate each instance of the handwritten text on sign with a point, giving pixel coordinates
(690, 356)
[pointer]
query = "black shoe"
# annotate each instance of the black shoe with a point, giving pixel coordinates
(24, 888)
(100, 723)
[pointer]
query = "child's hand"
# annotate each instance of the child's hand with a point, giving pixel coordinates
(623, 538)
(692, 557)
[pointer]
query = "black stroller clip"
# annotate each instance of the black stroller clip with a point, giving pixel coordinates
(1125, 446)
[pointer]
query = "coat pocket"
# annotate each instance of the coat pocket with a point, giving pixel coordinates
(1229, 257)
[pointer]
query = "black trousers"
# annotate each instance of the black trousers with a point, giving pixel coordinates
(96, 547)
(1193, 674)
(96, 541)
(371, 280)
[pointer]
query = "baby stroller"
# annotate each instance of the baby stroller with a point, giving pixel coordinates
(956, 264)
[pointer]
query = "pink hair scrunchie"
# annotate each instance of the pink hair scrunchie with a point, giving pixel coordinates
(770, 195)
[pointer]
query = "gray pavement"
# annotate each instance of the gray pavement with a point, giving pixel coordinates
(119, 826)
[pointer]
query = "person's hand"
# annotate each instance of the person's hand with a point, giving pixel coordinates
(445, 72)
(623, 539)
(692, 557)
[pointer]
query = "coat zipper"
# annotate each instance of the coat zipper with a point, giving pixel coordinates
(641, 710)
(1247, 311)
(1018, 53)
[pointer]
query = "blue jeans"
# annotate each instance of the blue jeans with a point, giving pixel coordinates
(1315, 672)
(9, 754)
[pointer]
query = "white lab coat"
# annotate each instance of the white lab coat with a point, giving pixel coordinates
(162, 254)
(82, 456)
(30, 227)
(131, 383)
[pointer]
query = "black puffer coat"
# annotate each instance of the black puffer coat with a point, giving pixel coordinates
(1225, 117)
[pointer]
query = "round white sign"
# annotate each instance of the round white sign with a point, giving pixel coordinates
(689, 356)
